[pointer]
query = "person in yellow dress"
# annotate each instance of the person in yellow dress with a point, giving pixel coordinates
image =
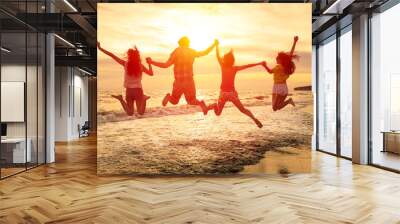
(283, 69)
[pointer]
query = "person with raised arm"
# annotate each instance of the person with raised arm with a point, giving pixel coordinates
(182, 58)
(283, 69)
(227, 90)
(134, 69)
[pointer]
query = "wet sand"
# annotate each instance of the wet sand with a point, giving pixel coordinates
(284, 160)
(191, 143)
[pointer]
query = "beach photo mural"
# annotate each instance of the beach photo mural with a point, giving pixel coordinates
(204, 88)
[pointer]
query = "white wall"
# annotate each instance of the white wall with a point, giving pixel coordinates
(33, 127)
(61, 114)
(81, 103)
(16, 73)
(71, 103)
(12, 73)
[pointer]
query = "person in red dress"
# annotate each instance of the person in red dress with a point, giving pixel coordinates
(227, 89)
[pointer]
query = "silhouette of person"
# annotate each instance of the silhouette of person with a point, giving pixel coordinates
(227, 90)
(183, 58)
(134, 70)
(283, 69)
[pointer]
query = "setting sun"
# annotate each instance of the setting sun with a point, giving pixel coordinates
(201, 28)
(259, 33)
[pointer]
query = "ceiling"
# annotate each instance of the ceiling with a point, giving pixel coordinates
(75, 21)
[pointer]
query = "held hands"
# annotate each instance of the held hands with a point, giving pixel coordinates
(296, 38)
(148, 60)
(98, 45)
(216, 42)
(263, 63)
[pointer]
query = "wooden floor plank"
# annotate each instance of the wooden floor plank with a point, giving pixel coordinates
(69, 191)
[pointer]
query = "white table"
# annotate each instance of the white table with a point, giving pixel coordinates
(19, 155)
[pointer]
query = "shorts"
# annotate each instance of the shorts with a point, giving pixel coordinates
(228, 96)
(280, 89)
(133, 94)
(185, 87)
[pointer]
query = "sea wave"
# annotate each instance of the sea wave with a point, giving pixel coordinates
(111, 111)
(119, 115)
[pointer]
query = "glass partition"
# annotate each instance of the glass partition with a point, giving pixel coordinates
(14, 151)
(22, 88)
(327, 95)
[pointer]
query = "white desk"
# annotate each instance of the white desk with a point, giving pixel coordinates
(18, 149)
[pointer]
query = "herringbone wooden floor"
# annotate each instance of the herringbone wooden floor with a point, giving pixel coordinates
(70, 192)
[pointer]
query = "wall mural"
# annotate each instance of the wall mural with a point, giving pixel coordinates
(204, 88)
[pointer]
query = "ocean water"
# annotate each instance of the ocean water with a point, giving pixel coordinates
(181, 140)
(110, 110)
(254, 89)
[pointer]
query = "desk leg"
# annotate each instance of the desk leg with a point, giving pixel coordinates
(384, 142)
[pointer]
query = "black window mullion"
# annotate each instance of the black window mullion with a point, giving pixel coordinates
(338, 76)
(26, 87)
(369, 90)
(37, 90)
(316, 96)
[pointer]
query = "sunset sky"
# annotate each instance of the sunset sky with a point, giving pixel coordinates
(255, 32)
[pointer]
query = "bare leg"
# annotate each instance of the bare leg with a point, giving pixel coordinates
(166, 99)
(282, 102)
(212, 106)
(203, 107)
(169, 98)
(200, 103)
(129, 110)
(141, 105)
(292, 102)
(219, 107)
(274, 102)
(242, 109)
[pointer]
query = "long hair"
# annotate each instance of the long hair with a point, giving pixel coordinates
(286, 61)
(134, 64)
(228, 59)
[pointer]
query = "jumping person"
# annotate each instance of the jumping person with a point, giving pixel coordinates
(132, 80)
(228, 91)
(282, 71)
(183, 58)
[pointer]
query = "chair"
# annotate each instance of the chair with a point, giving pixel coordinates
(84, 130)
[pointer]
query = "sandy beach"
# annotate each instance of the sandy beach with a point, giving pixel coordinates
(181, 140)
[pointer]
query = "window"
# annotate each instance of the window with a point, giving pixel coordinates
(385, 89)
(327, 95)
(346, 92)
